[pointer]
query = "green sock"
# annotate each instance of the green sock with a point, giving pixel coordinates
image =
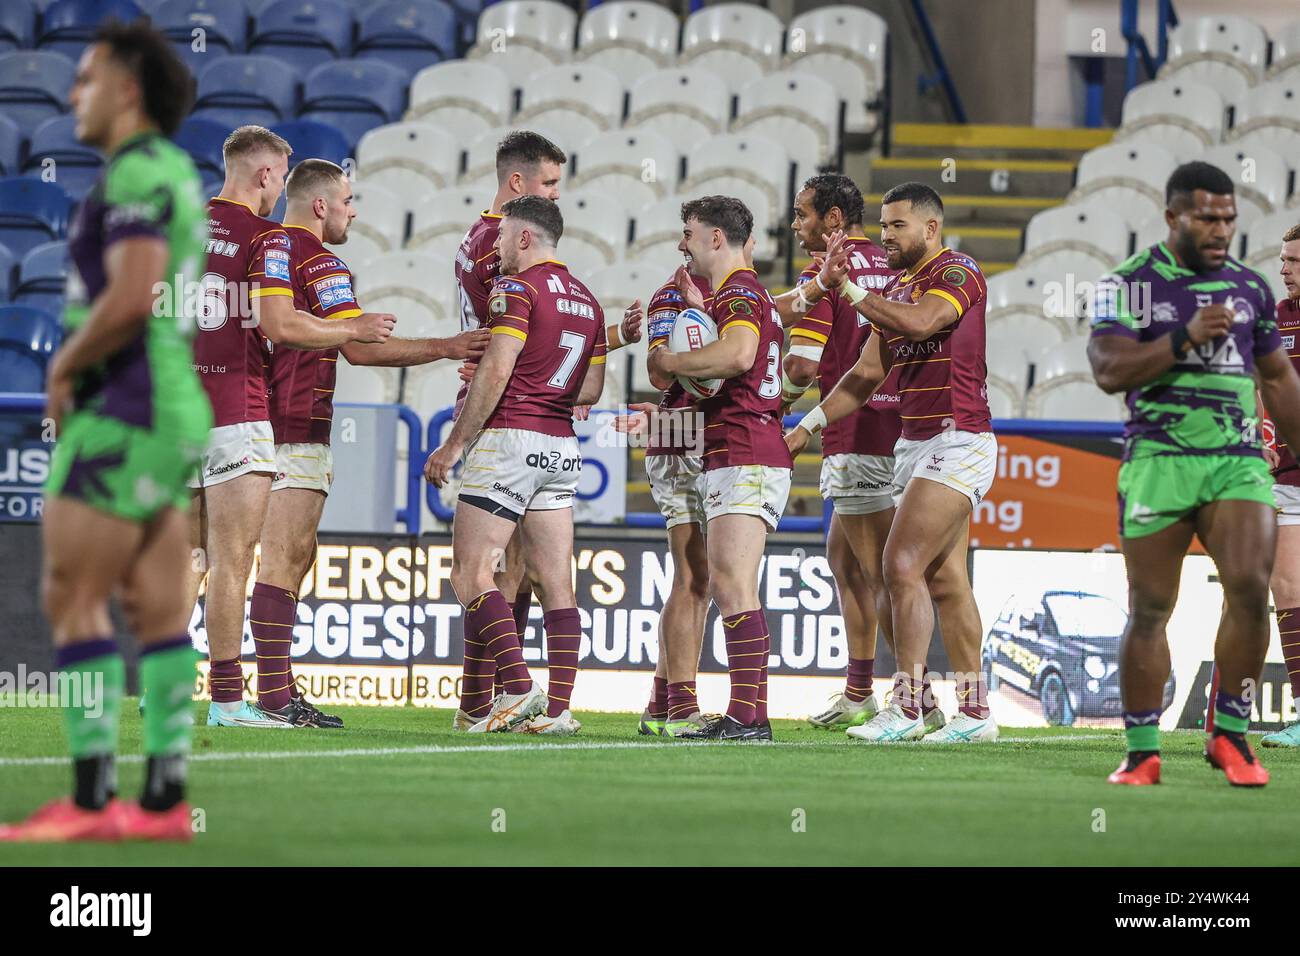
(167, 676)
(1144, 737)
(1230, 722)
(93, 703)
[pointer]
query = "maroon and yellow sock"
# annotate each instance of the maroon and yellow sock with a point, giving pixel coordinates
(682, 701)
(857, 687)
(491, 621)
(760, 705)
(907, 695)
(520, 608)
(226, 681)
(1288, 624)
(972, 696)
(483, 621)
(746, 635)
(271, 617)
(563, 635)
(658, 706)
(927, 699)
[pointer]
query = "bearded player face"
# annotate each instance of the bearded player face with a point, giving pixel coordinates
(339, 212)
(905, 234)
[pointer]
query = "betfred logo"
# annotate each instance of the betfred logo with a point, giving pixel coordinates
(693, 337)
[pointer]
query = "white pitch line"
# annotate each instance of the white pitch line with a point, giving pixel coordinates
(476, 748)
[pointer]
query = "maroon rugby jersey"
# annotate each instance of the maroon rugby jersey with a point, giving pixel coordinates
(1287, 471)
(942, 381)
(665, 305)
(842, 331)
(563, 330)
(742, 423)
(477, 266)
(248, 257)
(302, 380)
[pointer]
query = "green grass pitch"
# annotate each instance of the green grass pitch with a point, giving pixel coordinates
(610, 797)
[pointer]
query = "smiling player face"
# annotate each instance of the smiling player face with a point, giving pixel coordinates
(905, 234)
(697, 246)
(1201, 229)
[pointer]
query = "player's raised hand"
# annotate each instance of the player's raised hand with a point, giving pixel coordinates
(466, 371)
(630, 329)
(638, 421)
(835, 264)
(374, 328)
(467, 345)
(1209, 323)
(691, 293)
(440, 463)
(796, 439)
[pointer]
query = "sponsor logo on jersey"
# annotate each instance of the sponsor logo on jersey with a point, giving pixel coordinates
(954, 275)
(509, 285)
(738, 290)
(739, 306)
(1288, 341)
(333, 291)
(508, 492)
(661, 323)
(227, 467)
(553, 462)
(325, 264)
(1242, 310)
(277, 264)
(1164, 312)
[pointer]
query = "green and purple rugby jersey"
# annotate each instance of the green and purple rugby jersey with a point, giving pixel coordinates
(140, 418)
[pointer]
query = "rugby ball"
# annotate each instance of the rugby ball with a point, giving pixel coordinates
(692, 330)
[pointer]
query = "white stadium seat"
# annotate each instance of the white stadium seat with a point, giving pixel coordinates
(1088, 229)
(1004, 400)
(380, 225)
(1049, 292)
(1128, 177)
(630, 38)
(1072, 398)
(828, 39)
(639, 165)
(439, 222)
(1286, 53)
(1269, 115)
(713, 166)
(595, 232)
(1070, 358)
(365, 384)
(1224, 52)
(481, 160)
(848, 84)
(1014, 341)
(1182, 114)
(590, 97)
(739, 42)
(524, 37)
(465, 98)
(686, 105)
(1264, 242)
(658, 231)
(1259, 173)
(616, 287)
(418, 288)
(412, 159)
(801, 111)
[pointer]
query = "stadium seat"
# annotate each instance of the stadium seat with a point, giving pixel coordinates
(380, 225)
(591, 97)
(845, 46)
(415, 287)
(42, 276)
(465, 98)
(28, 330)
(638, 165)
(1045, 292)
(480, 164)
(799, 110)
(303, 33)
(1074, 397)
(1223, 52)
(658, 232)
(203, 139)
(11, 147)
(739, 42)
(630, 38)
(1267, 116)
(1012, 342)
(313, 139)
(1069, 358)
(439, 222)
(1263, 240)
(364, 384)
(54, 147)
(68, 25)
(354, 96)
(1286, 53)
(224, 26)
(713, 165)
(595, 231)
(34, 85)
(409, 158)
(1089, 229)
(242, 90)
(1184, 116)
(685, 105)
(525, 37)
(6, 272)
(1260, 175)
(617, 286)
(31, 212)
(409, 36)
(20, 371)
(1128, 177)
(17, 24)
(1004, 400)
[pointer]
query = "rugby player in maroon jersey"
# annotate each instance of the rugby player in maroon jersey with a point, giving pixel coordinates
(515, 430)
(928, 325)
(319, 211)
(528, 164)
(248, 306)
(746, 464)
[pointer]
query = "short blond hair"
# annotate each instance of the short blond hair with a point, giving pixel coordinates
(248, 140)
(1292, 234)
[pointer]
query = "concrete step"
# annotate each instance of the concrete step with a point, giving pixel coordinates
(973, 176)
(965, 210)
(990, 141)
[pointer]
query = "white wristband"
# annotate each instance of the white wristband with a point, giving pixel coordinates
(814, 421)
(821, 285)
(853, 292)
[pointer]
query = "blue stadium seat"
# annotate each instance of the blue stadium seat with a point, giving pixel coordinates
(409, 35)
(76, 167)
(224, 24)
(313, 139)
(17, 24)
(303, 33)
(31, 212)
(11, 146)
(6, 272)
(25, 329)
(203, 138)
(354, 96)
(467, 12)
(242, 90)
(41, 277)
(34, 86)
(20, 371)
(68, 25)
